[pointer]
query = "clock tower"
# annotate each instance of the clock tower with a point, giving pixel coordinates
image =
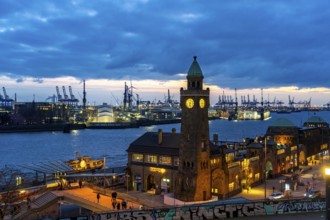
(194, 174)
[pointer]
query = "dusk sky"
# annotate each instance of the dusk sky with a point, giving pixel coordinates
(281, 46)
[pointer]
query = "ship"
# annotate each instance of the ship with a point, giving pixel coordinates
(253, 114)
(85, 163)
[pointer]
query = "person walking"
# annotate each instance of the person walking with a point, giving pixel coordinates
(98, 197)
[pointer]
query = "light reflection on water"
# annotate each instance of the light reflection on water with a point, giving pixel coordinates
(22, 148)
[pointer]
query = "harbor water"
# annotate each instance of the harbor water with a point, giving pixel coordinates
(43, 147)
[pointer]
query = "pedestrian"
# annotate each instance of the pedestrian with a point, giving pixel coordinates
(273, 189)
(98, 197)
(123, 204)
(80, 183)
(28, 201)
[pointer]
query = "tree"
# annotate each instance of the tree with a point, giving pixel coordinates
(10, 179)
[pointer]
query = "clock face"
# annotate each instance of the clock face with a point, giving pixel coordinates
(190, 103)
(202, 103)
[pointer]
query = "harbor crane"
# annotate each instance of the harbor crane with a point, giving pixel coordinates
(66, 97)
(59, 96)
(300, 104)
(128, 96)
(5, 100)
(53, 98)
(73, 99)
(5, 93)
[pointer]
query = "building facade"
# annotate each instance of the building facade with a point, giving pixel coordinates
(195, 168)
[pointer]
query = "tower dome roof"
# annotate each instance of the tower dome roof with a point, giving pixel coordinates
(195, 69)
(315, 119)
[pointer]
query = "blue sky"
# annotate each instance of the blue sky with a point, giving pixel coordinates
(279, 45)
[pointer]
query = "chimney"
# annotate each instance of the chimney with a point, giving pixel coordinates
(173, 130)
(215, 138)
(160, 136)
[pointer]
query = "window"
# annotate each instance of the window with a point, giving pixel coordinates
(151, 159)
(257, 176)
(231, 186)
(203, 146)
(137, 157)
(176, 161)
(165, 160)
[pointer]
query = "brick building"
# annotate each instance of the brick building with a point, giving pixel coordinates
(195, 168)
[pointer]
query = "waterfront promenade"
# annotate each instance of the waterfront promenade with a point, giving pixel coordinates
(135, 199)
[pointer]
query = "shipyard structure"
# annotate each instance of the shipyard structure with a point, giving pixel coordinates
(63, 112)
(193, 168)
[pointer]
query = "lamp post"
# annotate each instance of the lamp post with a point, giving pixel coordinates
(265, 151)
(127, 176)
(104, 169)
(327, 191)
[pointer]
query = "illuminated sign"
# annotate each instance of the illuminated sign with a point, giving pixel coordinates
(157, 170)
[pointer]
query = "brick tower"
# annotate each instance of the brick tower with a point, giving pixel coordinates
(194, 175)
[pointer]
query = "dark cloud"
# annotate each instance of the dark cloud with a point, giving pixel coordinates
(20, 80)
(239, 44)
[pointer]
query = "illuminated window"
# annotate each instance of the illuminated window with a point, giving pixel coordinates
(151, 159)
(231, 186)
(137, 157)
(165, 160)
(214, 190)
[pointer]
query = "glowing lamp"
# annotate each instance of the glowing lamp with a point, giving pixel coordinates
(327, 171)
(83, 164)
(327, 190)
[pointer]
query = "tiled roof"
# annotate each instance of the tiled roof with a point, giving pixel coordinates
(254, 145)
(148, 143)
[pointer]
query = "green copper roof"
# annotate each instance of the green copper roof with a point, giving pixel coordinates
(255, 145)
(315, 119)
(283, 122)
(195, 69)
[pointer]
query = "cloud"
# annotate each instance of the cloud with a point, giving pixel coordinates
(240, 44)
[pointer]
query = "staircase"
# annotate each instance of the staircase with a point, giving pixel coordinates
(45, 200)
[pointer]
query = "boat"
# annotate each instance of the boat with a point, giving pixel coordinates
(84, 163)
(284, 111)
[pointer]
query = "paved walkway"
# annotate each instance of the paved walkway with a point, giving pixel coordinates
(105, 198)
(148, 200)
(135, 199)
(258, 192)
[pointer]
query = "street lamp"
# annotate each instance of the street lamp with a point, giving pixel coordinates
(265, 151)
(127, 176)
(104, 169)
(327, 191)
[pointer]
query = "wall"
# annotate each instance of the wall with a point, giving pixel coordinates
(222, 211)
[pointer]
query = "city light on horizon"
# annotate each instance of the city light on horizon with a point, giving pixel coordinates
(109, 91)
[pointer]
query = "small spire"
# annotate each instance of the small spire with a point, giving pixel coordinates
(195, 69)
